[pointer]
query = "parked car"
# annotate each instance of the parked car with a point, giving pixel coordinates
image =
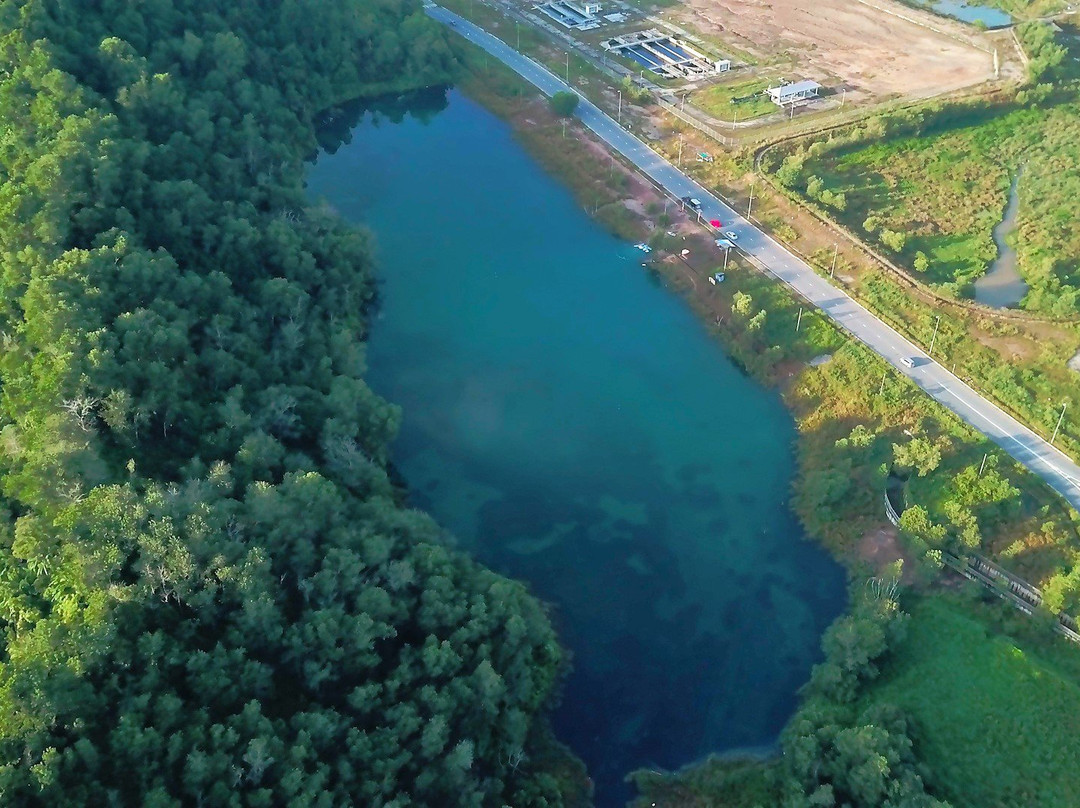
(731, 235)
(907, 362)
(694, 203)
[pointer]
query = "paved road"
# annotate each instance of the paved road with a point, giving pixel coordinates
(1062, 474)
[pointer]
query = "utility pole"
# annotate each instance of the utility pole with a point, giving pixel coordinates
(1060, 419)
(843, 99)
(982, 465)
(735, 120)
(567, 68)
(881, 389)
(620, 108)
(836, 249)
(727, 250)
(798, 323)
(680, 151)
(750, 204)
(517, 29)
(933, 339)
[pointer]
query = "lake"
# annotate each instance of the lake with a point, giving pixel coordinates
(572, 422)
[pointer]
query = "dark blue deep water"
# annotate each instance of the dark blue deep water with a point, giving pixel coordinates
(574, 424)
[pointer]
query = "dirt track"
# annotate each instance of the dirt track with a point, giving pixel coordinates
(871, 52)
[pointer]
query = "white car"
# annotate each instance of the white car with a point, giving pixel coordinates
(731, 235)
(907, 361)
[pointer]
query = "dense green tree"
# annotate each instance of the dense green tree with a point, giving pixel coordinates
(563, 104)
(835, 753)
(920, 454)
(210, 591)
(893, 239)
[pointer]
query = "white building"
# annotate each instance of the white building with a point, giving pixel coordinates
(793, 93)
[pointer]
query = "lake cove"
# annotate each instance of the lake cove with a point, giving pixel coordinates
(575, 426)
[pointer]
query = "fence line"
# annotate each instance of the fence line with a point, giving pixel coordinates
(1023, 595)
(694, 122)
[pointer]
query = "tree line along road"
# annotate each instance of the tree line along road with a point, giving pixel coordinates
(1028, 448)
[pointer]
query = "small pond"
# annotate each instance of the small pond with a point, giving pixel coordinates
(988, 15)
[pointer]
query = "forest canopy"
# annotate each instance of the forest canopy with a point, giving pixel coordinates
(210, 591)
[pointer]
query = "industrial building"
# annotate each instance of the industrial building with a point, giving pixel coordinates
(572, 14)
(793, 93)
(664, 55)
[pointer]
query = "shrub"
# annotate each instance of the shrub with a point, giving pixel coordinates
(837, 201)
(893, 239)
(563, 104)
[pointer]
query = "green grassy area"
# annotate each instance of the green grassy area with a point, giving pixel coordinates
(928, 185)
(996, 720)
(929, 188)
(945, 190)
(717, 100)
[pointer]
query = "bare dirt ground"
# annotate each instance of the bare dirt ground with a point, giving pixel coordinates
(872, 53)
(880, 547)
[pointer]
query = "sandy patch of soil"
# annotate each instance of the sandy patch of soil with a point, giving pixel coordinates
(866, 48)
(880, 547)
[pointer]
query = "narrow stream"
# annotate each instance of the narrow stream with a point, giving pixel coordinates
(1001, 286)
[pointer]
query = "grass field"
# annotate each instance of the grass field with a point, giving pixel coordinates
(932, 196)
(717, 100)
(945, 191)
(997, 721)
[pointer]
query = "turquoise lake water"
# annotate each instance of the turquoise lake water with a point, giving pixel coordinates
(988, 15)
(571, 421)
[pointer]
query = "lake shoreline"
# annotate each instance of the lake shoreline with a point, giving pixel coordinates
(856, 535)
(712, 304)
(858, 557)
(663, 505)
